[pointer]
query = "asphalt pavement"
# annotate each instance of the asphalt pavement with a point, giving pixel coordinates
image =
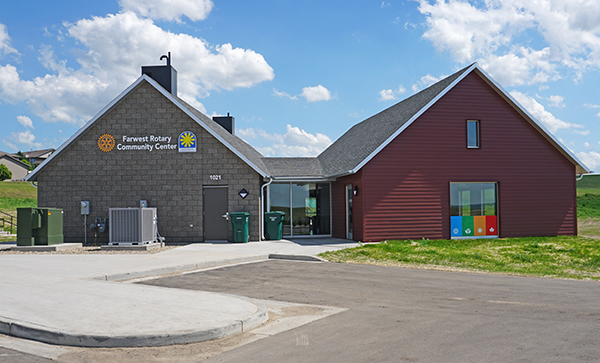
(411, 315)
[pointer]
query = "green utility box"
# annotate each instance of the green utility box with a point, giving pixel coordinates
(274, 225)
(239, 221)
(39, 226)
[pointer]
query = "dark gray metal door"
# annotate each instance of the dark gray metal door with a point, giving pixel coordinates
(216, 216)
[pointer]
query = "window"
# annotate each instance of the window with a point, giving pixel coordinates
(472, 134)
(306, 207)
(473, 210)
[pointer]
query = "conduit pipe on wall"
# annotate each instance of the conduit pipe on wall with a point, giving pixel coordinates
(262, 217)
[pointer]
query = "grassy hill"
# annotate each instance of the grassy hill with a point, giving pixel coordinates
(17, 194)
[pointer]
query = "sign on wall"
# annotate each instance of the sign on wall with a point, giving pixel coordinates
(187, 142)
(107, 142)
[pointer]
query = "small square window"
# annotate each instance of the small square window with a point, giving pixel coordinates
(472, 134)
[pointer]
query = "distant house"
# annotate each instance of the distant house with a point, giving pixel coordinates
(18, 168)
(460, 159)
(36, 157)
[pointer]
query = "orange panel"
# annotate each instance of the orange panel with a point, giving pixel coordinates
(479, 224)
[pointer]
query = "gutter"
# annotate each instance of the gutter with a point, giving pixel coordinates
(262, 190)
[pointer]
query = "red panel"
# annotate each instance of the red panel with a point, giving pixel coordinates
(491, 225)
(338, 196)
(406, 186)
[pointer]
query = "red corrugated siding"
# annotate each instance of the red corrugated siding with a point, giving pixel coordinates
(406, 186)
(338, 197)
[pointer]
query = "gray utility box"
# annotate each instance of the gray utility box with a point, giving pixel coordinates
(132, 226)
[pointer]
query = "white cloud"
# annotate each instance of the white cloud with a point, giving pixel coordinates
(586, 144)
(5, 47)
(598, 114)
(295, 142)
(426, 81)
(497, 34)
(315, 94)
(584, 133)
(169, 9)
(114, 49)
(25, 121)
(590, 159)
(557, 101)
(589, 105)
(539, 112)
(283, 94)
(389, 94)
(25, 138)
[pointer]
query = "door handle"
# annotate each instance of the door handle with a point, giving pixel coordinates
(226, 216)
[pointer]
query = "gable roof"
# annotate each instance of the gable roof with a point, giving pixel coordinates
(35, 153)
(365, 140)
(233, 143)
(11, 157)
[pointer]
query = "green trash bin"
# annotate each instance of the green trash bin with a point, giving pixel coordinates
(239, 222)
(274, 225)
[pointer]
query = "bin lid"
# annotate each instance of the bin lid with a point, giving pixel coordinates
(277, 212)
(239, 214)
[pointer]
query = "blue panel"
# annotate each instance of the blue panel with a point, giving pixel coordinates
(456, 226)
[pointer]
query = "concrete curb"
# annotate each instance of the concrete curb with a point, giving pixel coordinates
(308, 258)
(60, 337)
(179, 268)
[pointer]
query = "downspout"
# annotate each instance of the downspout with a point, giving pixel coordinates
(35, 186)
(262, 190)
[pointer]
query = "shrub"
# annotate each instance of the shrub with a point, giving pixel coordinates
(4, 172)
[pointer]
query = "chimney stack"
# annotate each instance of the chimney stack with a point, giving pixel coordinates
(228, 122)
(166, 75)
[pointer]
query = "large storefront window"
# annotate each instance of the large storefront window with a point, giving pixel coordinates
(473, 210)
(309, 204)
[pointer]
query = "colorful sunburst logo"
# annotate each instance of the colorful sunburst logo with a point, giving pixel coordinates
(187, 142)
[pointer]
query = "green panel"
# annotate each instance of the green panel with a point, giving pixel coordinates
(26, 218)
(468, 226)
(51, 231)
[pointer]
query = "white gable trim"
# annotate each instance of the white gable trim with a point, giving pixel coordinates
(32, 176)
(541, 129)
(412, 119)
(203, 125)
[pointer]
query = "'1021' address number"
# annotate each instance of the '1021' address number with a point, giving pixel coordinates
(215, 177)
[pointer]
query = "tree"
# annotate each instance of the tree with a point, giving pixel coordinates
(5, 173)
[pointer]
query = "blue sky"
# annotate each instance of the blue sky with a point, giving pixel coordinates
(295, 74)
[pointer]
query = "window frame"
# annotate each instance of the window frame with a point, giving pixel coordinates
(477, 134)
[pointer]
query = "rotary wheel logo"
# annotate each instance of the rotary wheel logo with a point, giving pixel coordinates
(106, 143)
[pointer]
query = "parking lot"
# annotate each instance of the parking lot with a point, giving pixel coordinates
(399, 314)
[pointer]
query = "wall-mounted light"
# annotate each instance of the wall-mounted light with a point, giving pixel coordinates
(355, 190)
(243, 193)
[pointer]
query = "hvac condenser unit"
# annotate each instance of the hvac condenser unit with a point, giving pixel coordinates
(132, 226)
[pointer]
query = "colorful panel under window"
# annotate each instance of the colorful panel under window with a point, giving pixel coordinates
(467, 226)
(491, 225)
(456, 226)
(479, 223)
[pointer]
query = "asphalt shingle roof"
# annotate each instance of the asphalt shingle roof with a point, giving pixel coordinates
(347, 152)
(294, 167)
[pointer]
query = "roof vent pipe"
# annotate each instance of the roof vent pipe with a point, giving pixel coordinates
(165, 75)
(227, 122)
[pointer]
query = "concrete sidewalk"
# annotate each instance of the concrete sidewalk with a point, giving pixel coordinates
(81, 300)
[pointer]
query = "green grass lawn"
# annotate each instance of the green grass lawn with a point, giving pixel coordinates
(565, 256)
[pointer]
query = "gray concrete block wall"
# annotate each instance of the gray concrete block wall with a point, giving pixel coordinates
(171, 181)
